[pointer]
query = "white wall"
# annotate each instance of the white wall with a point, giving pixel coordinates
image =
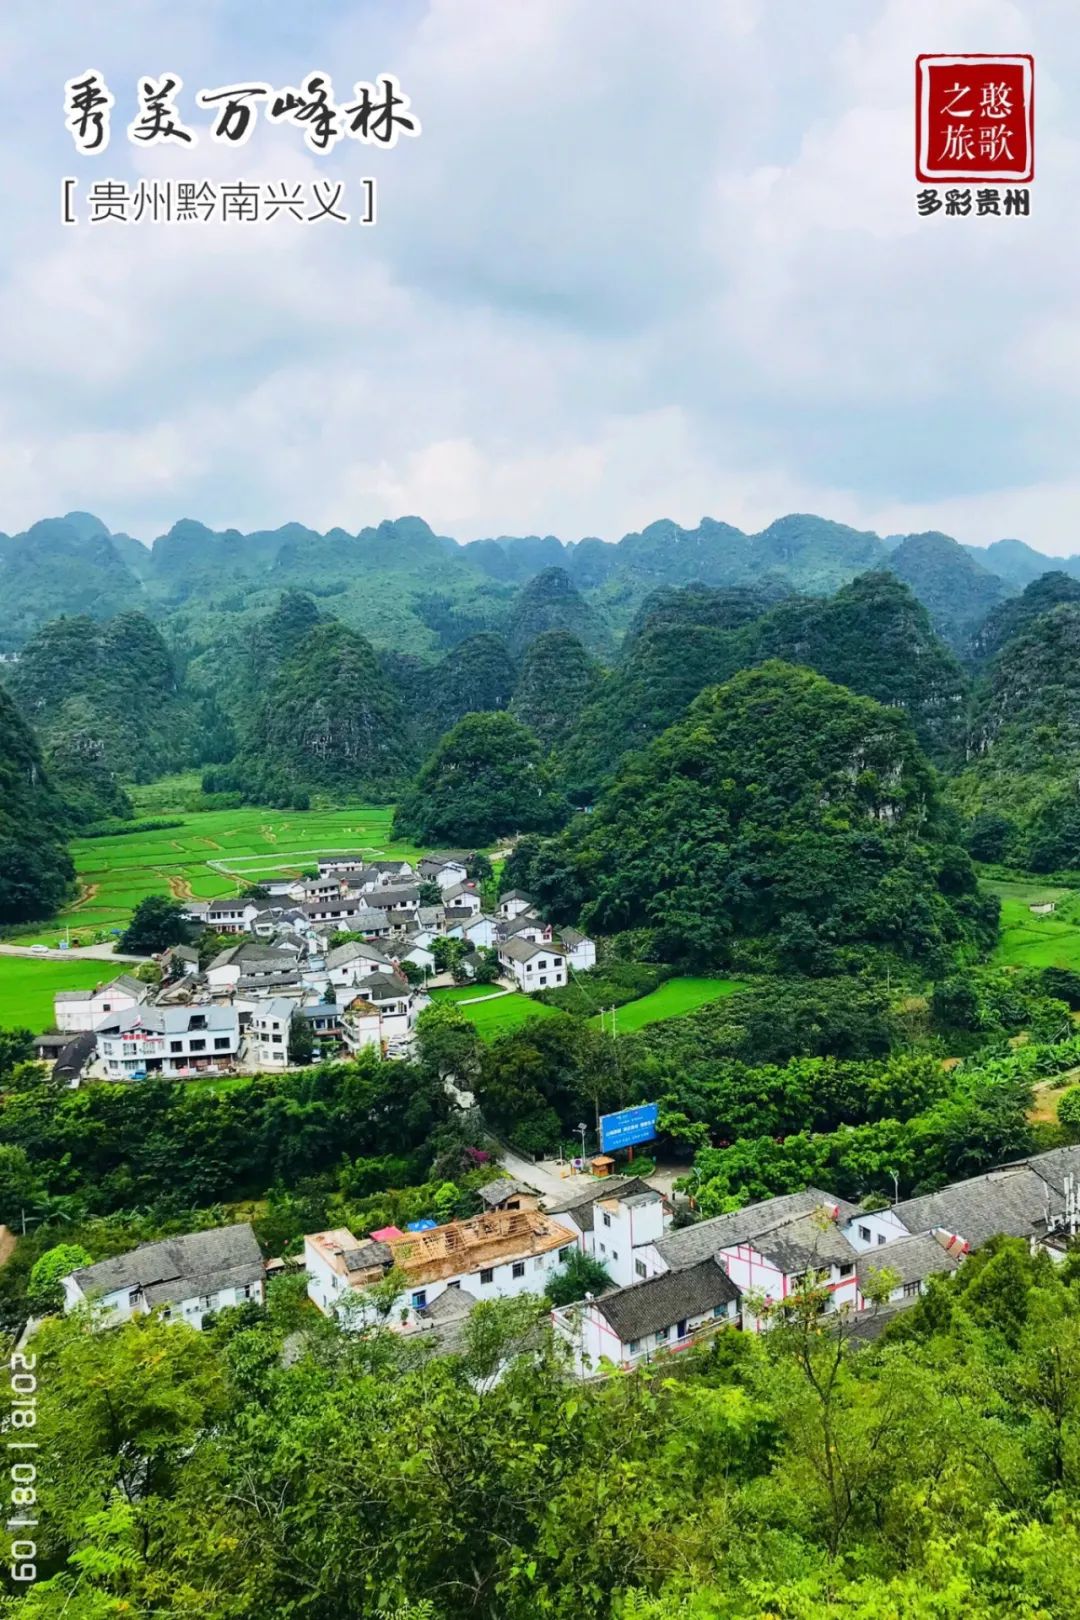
(621, 1236)
(874, 1230)
(118, 1307)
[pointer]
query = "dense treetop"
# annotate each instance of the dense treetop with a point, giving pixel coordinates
(485, 779)
(556, 682)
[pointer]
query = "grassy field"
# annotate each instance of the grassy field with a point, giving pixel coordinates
(27, 987)
(499, 1016)
(672, 1000)
(1032, 941)
(115, 873)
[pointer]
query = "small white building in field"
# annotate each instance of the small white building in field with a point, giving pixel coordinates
(183, 1277)
(76, 1010)
(580, 949)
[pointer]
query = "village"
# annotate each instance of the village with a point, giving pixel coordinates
(284, 987)
(672, 1284)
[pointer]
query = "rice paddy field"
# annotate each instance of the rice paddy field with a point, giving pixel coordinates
(1038, 940)
(673, 999)
(27, 987)
(210, 853)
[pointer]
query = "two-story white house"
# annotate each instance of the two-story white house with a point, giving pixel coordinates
(185, 1278)
(268, 1034)
(349, 965)
(230, 915)
(76, 1010)
(580, 949)
(534, 965)
(173, 1041)
(618, 1222)
(512, 904)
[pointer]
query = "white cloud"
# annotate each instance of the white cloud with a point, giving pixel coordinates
(641, 263)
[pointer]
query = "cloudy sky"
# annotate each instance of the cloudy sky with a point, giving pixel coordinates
(645, 260)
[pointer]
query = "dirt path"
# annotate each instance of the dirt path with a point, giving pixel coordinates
(1048, 1093)
(180, 888)
(89, 893)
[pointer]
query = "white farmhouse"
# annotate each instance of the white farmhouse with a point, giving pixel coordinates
(534, 964)
(183, 1277)
(268, 1034)
(631, 1325)
(77, 1010)
(171, 1041)
(618, 1221)
(580, 949)
(512, 904)
(350, 964)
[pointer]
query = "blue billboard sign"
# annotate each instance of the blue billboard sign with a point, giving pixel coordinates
(628, 1127)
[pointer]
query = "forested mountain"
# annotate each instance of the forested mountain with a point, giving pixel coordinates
(35, 869)
(551, 602)
(1024, 751)
(55, 568)
(956, 591)
(478, 674)
(105, 701)
(404, 587)
(1009, 618)
(872, 636)
(781, 822)
(555, 684)
(486, 779)
(329, 720)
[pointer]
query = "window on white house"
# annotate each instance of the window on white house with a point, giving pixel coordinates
(634, 1346)
(419, 1299)
(564, 1252)
(865, 1233)
(133, 1297)
(719, 1310)
(607, 1220)
(845, 1271)
(198, 1046)
(543, 962)
(487, 1275)
(662, 1335)
(881, 1238)
(640, 1268)
(517, 1269)
(910, 1289)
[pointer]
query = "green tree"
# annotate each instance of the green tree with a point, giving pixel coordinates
(301, 1041)
(44, 1292)
(578, 1275)
(485, 779)
(156, 923)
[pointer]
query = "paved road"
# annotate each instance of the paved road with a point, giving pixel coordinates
(77, 953)
(548, 1185)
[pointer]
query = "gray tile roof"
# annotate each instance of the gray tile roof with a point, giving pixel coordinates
(180, 1268)
(805, 1242)
(1012, 1200)
(496, 1192)
(365, 1255)
(356, 950)
(407, 894)
(664, 1301)
(75, 1055)
(523, 950)
(912, 1259)
(692, 1243)
(581, 1203)
(174, 1020)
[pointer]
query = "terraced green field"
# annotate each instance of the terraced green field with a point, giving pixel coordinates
(1033, 941)
(243, 845)
(673, 999)
(499, 1015)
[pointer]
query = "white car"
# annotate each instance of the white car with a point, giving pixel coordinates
(39, 950)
